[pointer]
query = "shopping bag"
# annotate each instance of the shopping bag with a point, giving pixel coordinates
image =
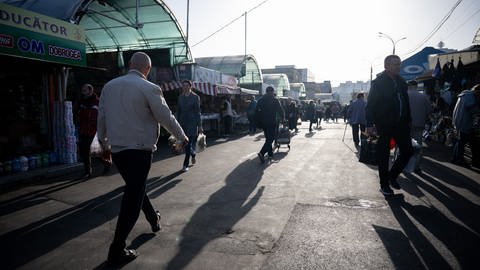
(95, 147)
(368, 151)
(201, 142)
(410, 167)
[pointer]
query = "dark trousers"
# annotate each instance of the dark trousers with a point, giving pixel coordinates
(459, 148)
(190, 149)
(227, 121)
(269, 132)
(133, 166)
(401, 134)
(355, 129)
(84, 151)
(252, 127)
(311, 123)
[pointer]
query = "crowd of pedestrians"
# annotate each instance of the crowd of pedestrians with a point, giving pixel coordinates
(130, 111)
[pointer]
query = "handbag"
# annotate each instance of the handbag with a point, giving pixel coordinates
(368, 151)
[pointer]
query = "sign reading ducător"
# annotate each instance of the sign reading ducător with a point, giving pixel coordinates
(31, 35)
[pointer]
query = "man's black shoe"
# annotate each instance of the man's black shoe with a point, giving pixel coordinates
(157, 226)
(386, 191)
(261, 157)
(394, 184)
(123, 257)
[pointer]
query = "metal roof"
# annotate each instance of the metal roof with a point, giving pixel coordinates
(118, 25)
(243, 67)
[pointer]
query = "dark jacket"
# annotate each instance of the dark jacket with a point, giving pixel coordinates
(189, 113)
(267, 110)
(385, 100)
(87, 116)
(310, 114)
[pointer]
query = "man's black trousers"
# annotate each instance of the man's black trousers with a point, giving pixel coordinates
(133, 166)
(401, 135)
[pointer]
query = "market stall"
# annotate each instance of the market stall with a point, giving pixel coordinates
(37, 119)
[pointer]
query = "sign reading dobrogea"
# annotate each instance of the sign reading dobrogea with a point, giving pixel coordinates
(31, 35)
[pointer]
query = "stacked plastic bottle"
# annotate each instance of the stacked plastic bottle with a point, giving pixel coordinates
(70, 139)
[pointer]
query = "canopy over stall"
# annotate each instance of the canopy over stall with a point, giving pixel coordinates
(243, 67)
(279, 81)
(118, 25)
(417, 64)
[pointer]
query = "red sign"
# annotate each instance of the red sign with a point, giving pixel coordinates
(6, 41)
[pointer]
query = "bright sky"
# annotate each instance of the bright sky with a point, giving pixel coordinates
(337, 40)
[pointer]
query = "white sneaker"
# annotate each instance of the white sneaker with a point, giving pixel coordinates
(185, 169)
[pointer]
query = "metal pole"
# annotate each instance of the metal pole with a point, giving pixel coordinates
(371, 73)
(345, 131)
(188, 18)
(245, 34)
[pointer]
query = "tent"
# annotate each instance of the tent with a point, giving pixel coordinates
(417, 64)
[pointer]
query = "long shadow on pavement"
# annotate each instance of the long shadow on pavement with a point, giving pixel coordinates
(34, 197)
(419, 241)
(38, 238)
(457, 231)
(218, 216)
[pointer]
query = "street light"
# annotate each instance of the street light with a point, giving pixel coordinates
(380, 34)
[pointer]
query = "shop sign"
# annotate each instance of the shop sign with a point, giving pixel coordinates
(202, 74)
(229, 80)
(31, 35)
(184, 71)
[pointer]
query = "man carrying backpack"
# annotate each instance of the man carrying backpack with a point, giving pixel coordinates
(268, 107)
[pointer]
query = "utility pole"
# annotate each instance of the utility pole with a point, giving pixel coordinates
(245, 14)
(188, 18)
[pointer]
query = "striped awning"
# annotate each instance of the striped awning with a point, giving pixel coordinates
(169, 86)
(203, 87)
(223, 89)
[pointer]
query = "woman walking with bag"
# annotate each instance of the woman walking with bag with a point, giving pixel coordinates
(188, 116)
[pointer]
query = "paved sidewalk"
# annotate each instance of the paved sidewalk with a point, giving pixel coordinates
(313, 207)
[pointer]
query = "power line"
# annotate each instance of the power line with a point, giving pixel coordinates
(462, 24)
(437, 27)
(228, 24)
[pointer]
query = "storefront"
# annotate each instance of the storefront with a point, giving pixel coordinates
(37, 121)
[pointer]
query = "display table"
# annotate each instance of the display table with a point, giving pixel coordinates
(210, 122)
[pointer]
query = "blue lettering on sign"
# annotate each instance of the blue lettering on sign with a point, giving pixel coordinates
(31, 46)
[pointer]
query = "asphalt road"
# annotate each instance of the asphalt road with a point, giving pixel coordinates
(313, 207)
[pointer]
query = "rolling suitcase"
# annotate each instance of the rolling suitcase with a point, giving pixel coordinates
(283, 137)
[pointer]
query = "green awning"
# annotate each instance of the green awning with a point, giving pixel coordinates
(118, 25)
